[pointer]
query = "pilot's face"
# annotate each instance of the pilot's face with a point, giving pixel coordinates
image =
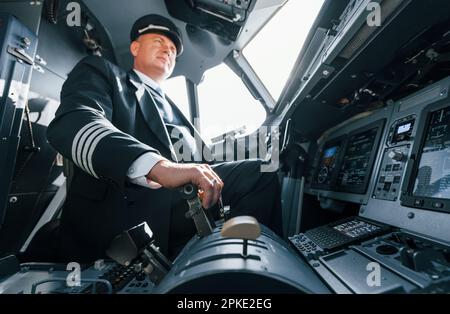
(154, 55)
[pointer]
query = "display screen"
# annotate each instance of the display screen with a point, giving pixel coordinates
(433, 174)
(357, 158)
(330, 153)
(403, 132)
(328, 163)
(403, 128)
(355, 228)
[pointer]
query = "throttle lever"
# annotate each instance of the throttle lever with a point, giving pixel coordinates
(203, 224)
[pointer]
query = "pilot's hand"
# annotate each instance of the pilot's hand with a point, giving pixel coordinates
(172, 175)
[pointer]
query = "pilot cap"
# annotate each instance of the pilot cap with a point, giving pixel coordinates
(157, 24)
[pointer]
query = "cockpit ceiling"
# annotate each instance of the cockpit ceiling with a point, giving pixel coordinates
(202, 49)
(409, 52)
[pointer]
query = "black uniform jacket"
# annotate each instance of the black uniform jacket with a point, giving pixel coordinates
(105, 121)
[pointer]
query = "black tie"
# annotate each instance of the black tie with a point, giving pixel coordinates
(174, 124)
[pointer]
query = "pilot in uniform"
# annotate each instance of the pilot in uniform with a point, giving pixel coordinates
(115, 126)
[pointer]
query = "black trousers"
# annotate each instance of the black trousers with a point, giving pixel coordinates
(247, 190)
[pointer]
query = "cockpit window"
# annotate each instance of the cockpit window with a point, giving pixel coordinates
(175, 88)
(274, 50)
(225, 104)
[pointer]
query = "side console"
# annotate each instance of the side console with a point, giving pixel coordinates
(101, 277)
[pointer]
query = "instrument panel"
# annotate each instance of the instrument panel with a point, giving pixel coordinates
(408, 179)
(346, 162)
(358, 159)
